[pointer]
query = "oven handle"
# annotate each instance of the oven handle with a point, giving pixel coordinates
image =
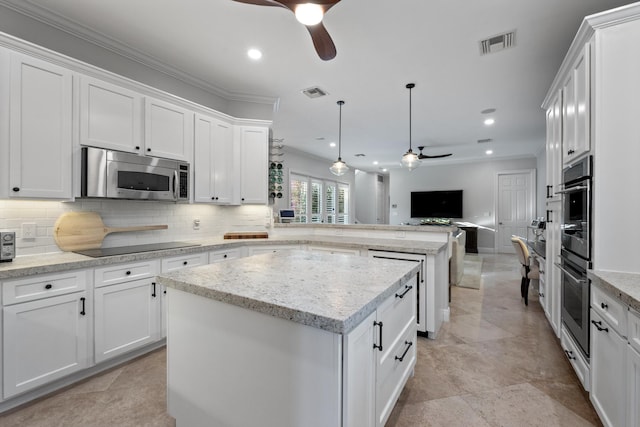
(573, 189)
(175, 185)
(564, 270)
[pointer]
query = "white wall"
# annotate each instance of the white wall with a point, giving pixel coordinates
(214, 221)
(477, 181)
(298, 162)
(41, 34)
(365, 196)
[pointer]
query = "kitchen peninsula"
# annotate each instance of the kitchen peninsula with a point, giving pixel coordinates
(289, 339)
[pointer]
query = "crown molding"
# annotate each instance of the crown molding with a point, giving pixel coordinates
(75, 29)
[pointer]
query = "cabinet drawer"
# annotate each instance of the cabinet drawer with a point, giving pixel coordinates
(218, 256)
(576, 359)
(256, 250)
(334, 250)
(397, 313)
(43, 286)
(610, 309)
(393, 372)
(633, 331)
(125, 273)
(184, 261)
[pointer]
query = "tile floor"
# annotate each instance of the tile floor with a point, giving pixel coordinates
(497, 363)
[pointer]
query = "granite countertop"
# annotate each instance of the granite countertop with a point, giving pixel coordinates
(625, 286)
(379, 227)
(57, 262)
(334, 292)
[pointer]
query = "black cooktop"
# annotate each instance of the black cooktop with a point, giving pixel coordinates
(122, 250)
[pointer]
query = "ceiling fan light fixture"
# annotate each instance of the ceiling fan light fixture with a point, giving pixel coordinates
(339, 167)
(309, 13)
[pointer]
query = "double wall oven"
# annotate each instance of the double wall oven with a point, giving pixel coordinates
(575, 256)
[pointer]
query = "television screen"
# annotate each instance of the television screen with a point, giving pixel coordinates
(436, 204)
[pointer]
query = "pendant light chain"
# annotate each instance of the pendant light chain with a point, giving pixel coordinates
(410, 86)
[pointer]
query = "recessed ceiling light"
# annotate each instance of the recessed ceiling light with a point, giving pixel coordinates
(384, 169)
(489, 122)
(375, 162)
(333, 144)
(488, 111)
(488, 152)
(254, 54)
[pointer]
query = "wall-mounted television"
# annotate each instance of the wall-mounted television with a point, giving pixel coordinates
(436, 204)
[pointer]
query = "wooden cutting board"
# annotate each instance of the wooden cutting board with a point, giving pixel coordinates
(75, 231)
(247, 235)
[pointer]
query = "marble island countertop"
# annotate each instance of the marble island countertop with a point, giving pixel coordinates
(64, 261)
(334, 292)
(625, 286)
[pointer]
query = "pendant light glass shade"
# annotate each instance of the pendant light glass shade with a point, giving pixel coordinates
(339, 167)
(410, 159)
(309, 13)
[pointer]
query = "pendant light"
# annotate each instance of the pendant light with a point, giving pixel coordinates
(339, 167)
(410, 159)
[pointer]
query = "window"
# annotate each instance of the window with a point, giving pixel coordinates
(317, 201)
(298, 194)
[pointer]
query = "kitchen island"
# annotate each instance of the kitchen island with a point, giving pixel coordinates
(293, 338)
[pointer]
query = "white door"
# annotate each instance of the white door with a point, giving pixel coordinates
(40, 129)
(515, 206)
(44, 340)
(380, 202)
(127, 317)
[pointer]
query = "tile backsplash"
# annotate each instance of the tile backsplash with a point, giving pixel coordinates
(214, 221)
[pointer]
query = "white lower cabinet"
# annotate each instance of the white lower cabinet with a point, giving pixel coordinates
(256, 250)
(224, 255)
(127, 308)
(608, 372)
(46, 338)
(633, 387)
(126, 317)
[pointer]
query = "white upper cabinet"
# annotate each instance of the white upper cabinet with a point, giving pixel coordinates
(576, 111)
(40, 136)
(554, 147)
(168, 130)
(254, 160)
(110, 116)
(214, 161)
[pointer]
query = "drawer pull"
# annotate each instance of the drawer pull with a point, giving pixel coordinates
(82, 300)
(570, 355)
(408, 344)
(48, 286)
(153, 293)
(379, 347)
(185, 263)
(406, 289)
(224, 256)
(540, 294)
(128, 273)
(598, 325)
(604, 306)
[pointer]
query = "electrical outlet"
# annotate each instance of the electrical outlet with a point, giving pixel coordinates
(29, 230)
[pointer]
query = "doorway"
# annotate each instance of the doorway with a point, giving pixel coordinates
(515, 206)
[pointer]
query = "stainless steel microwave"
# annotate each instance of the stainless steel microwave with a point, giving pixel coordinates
(118, 175)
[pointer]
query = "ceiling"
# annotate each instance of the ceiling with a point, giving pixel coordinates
(381, 46)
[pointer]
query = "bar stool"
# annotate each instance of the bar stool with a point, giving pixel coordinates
(528, 271)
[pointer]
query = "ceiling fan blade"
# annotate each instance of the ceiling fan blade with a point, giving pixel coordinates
(322, 41)
(438, 156)
(261, 2)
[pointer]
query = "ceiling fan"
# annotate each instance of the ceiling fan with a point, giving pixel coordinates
(425, 156)
(319, 35)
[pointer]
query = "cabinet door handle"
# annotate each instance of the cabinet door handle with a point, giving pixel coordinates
(224, 256)
(598, 325)
(570, 152)
(549, 187)
(379, 347)
(48, 286)
(549, 216)
(406, 289)
(604, 306)
(137, 147)
(148, 150)
(128, 273)
(408, 344)
(185, 263)
(82, 300)
(153, 293)
(16, 189)
(570, 355)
